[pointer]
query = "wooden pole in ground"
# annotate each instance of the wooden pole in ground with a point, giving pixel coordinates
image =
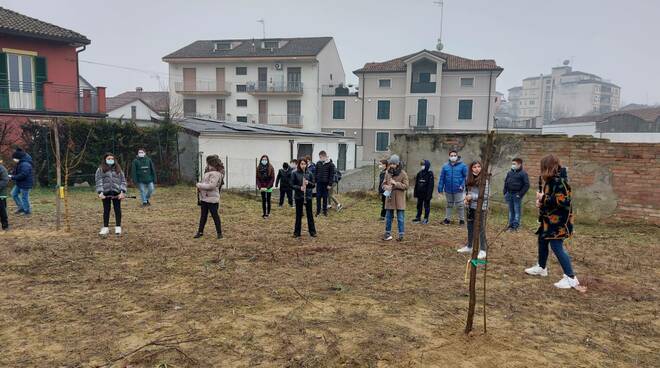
(485, 169)
(58, 173)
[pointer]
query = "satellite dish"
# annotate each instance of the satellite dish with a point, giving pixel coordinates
(439, 46)
(566, 62)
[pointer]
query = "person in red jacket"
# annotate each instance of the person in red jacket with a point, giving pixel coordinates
(265, 181)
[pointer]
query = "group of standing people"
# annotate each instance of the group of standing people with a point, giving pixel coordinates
(461, 183)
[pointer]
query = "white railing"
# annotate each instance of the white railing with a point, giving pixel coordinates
(202, 86)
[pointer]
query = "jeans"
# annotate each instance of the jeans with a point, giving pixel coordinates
(515, 209)
(322, 197)
(455, 200)
(483, 243)
(400, 221)
(4, 220)
(22, 199)
(116, 204)
(265, 202)
(424, 204)
(383, 212)
(146, 190)
(288, 193)
(204, 214)
(300, 203)
(557, 246)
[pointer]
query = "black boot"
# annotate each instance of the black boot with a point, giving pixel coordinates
(219, 235)
(198, 235)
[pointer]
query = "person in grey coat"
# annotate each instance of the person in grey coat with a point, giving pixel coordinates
(111, 188)
(475, 176)
(4, 181)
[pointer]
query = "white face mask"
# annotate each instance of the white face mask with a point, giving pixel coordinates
(453, 158)
(141, 154)
(16, 160)
(423, 167)
(110, 162)
(264, 162)
(514, 167)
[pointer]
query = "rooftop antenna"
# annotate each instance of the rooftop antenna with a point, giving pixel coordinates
(439, 46)
(263, 27)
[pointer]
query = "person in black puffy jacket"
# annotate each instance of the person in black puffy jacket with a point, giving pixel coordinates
(424, 185)
(516, 184)
(325, 172)
(382, 166)
(302, 182)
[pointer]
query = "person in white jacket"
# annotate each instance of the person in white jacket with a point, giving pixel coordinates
(209, 194)
(475, 176)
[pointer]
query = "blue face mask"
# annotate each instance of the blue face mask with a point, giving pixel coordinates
(110, 162)
(264, 162)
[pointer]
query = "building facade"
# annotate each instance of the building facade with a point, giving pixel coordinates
(564, 93)
(267, 81)
(428, 91)
(144, 108)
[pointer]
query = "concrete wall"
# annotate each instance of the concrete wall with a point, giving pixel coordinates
(611, 181)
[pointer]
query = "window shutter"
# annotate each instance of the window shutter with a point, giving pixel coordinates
(41, 76)
(4, 82)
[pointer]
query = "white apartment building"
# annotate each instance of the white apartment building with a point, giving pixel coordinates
(564, 93)
(275, 81)
(428, 91)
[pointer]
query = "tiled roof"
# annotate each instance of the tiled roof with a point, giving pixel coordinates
(22, 25)
(307, 46)
(454, 63)
(650, 115)
(157, 101)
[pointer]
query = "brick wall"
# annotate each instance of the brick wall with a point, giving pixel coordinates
(611, 181)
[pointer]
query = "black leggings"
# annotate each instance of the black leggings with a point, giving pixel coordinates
(289, 196)
(205, 209)
(307, 204)
(116, 204)
(382, 206)
(265, 202)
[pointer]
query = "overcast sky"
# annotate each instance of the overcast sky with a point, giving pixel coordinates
(617, 40)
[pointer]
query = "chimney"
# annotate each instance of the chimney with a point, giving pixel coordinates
(138, 89)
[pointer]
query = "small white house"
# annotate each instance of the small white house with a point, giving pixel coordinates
(145, 108)
(241, 145)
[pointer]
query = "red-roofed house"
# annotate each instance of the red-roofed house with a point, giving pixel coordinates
(427, 91)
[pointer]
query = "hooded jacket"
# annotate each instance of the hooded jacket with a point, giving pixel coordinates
(143, 170)
(110, 181)
(209, 187)
(23, 172)
(424, 181)
(283, 179)
(452, 177)
(265, 174)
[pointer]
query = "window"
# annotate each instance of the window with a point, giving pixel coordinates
(241, 103)
(293, 112)
(241, 119)
(223, 45)
(384, 83)
(425, 77)
(464, 109)
(241, 70)
(339, 110)
(189, 107)
(467, 82)
(271, 44)
(133, 112)
(382, 141)
(532, 102)
(241, 88)
(383, 110)
(20, 73)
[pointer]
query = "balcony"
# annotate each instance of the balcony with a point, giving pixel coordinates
(422, 87)
(203, 88)
(421, 122)
(217, 116)
(288, 120)
(338, 90)
(50, 97)
(275, 88)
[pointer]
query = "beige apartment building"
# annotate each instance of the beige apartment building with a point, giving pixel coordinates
(428, 91)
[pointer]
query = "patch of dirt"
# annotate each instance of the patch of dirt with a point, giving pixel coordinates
(155, 297)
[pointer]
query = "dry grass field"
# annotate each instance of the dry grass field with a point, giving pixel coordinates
(156, 297)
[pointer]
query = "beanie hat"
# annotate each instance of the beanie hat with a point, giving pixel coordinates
(394, 159)
(19, 154)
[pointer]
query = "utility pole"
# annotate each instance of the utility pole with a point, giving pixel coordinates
(58, 173)
(439, 46)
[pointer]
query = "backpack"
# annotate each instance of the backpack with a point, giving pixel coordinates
(337, 176)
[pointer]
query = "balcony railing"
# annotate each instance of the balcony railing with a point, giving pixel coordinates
(292, 120)
(422, 87)
(46, 96)
(194, 114)
(201, 87)
(262, 87)
(531, 123)
(421, 122)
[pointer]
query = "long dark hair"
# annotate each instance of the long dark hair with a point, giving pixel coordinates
(550, 166)
(214, 163)
(300, 161)
(105, 167)
(473, 180)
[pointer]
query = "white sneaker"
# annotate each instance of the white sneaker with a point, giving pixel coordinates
(482, 254)
(465, 249)
(339, 207)
(104, 231)
(117, 230)
(537, 271)
(567, 282)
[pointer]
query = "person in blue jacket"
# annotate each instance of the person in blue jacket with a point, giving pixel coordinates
(22, 177)
(452, 183)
